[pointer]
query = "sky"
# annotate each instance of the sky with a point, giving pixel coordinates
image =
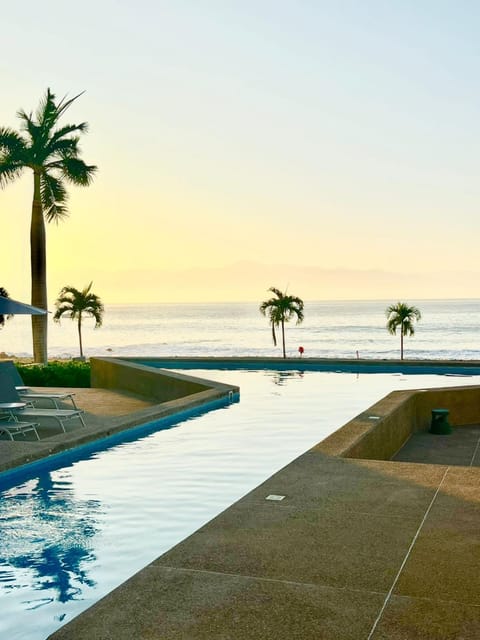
(330, 148)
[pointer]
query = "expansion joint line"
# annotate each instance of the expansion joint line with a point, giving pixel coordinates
(412, 544)
(474, 453)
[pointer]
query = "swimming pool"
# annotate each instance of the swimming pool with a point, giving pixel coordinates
(73, 533)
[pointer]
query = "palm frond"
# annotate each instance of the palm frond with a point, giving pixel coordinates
(407, 328)
(69, 290)
(277, 292)
(54, 197)
(48, 112)
(63, 148)
(64, 104)
(76, 171)
(392, 325)
(9, 173)
(67, 130)
(56, 213)
(13, 155)
(11, 142)
(63, 309)
(28, 125)
(95, 309)
(24, 117)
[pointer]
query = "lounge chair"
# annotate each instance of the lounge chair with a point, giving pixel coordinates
(32, 396)
(12, 405)
(13, 427)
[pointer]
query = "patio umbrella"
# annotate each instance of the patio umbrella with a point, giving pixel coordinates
(12, 307)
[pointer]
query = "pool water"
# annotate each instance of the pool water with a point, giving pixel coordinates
(72, 533)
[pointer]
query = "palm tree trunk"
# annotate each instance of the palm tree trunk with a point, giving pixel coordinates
(274, 337)
(38, 267)
(283, 338)
(80, 333)
(401, 341)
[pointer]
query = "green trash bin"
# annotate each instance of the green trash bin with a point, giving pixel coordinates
(440, 424)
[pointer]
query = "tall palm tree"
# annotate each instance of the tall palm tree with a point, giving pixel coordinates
(75, 304)
(403, 316)
(280, 310)
(53, 154)
(4, 294)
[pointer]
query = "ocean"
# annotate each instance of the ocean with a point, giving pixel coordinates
(449, 329)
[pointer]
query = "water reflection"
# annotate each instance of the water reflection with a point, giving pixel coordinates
(280, 378)
(46, 537)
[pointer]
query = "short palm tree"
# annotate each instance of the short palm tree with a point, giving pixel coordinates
(280, 310)
(4, 294)
(53, 154)
(75, 304)
(403, 316)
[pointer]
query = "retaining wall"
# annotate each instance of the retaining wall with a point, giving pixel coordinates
(380, 431)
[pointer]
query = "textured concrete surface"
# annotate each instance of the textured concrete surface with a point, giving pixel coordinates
(461, 447)
(356, 549)
(187, 605)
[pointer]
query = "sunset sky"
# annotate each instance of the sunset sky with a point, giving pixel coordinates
(329, 147)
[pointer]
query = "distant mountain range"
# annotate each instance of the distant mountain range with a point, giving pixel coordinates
(251, 280)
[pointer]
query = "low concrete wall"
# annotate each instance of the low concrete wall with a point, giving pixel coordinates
(116, 373)
(463, 404)
(380, 431)
(455, 367)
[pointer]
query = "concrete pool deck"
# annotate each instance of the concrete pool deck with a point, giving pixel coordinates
(357, 549)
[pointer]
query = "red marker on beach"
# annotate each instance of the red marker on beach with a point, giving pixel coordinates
(301, 351)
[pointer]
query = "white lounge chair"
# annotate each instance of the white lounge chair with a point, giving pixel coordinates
(27, 394)
(12, 405)
(13, 427)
